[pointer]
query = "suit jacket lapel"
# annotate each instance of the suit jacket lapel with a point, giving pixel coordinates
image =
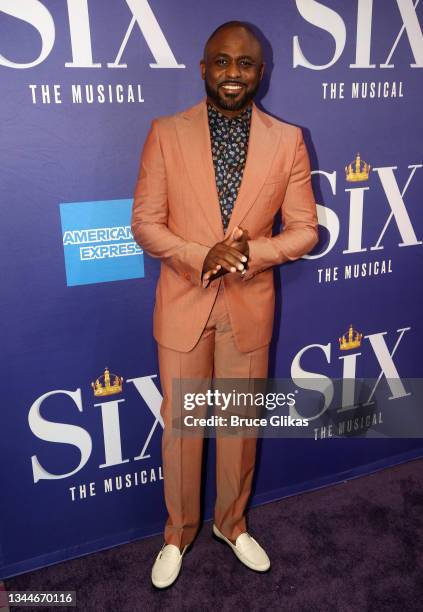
(194, 138)
(262, 146)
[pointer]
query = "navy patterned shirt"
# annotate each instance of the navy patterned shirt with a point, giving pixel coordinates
(229, 145)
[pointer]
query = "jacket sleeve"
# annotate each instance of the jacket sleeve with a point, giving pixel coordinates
(299, 220)
(149, 222)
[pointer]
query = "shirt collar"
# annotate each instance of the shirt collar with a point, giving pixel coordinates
(245, 116)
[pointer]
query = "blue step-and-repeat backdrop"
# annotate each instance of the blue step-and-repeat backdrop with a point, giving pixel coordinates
(81, 81)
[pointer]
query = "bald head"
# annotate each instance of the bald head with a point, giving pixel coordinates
(235, 29)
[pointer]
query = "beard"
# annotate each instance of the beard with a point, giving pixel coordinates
(227, 103)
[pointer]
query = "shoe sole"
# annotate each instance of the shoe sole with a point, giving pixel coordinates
(244, 561)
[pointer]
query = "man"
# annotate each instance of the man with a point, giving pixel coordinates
(211, 181)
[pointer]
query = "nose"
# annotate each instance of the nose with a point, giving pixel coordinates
(233, 71)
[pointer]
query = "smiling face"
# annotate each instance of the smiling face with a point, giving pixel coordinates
(232, 69)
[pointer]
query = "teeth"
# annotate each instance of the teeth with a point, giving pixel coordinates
(232, 87)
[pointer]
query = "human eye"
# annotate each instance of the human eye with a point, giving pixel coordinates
(221, 61)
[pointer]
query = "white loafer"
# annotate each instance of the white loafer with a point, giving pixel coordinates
(167, 565)
(248, 551)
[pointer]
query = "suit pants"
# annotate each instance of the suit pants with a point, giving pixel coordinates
(215, 355)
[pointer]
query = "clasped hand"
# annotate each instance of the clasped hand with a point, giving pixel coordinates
(230, 255)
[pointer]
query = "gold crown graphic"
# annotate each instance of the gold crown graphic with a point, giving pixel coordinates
(357, 171)
(350, 340)
(104, 386)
